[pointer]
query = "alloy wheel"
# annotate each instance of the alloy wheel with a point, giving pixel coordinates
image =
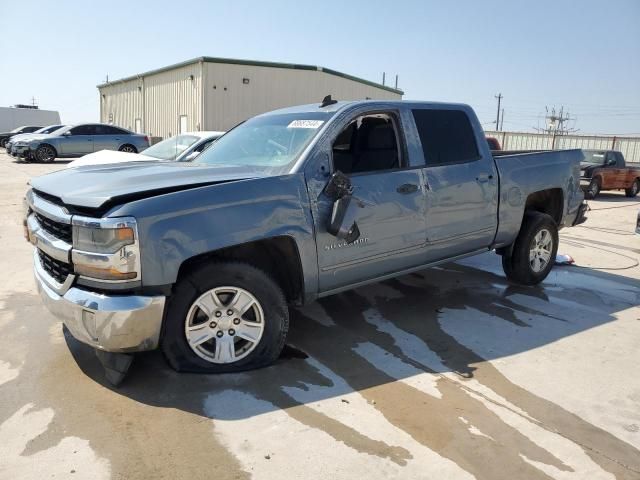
(224, 325)
(540, 251)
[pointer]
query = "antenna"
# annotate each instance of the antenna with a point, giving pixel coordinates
(383, 77)
(396, 87)
(326, 101)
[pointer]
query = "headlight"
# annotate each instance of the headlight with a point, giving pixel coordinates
(106, 249)
(102, 240)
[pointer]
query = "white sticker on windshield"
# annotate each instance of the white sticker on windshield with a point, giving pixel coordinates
(305, 124)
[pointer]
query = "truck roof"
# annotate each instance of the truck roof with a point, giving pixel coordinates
(340, 105)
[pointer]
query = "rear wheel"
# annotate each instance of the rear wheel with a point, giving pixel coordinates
(225, 317)
(633, 190)
(45, 154)
(594, 188)
(128, 148)
(534, 250)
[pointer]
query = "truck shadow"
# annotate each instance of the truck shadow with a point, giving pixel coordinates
(417, 350)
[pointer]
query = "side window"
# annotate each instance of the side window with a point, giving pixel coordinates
(109, 130)
(620, 160)
(83, 130)
(368, 144)
(446, 136)
(611, 159)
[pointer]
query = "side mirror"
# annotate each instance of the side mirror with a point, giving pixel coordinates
(191, 156)
(338, 186)
(66, 134)
(343, 219)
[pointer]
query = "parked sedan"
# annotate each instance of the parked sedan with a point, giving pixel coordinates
(181, 148)
(24, 129)
(24, 136)
(78, 140)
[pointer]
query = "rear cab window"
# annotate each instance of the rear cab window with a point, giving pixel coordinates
(447, 136)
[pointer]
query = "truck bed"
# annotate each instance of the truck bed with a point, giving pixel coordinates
(523, 173)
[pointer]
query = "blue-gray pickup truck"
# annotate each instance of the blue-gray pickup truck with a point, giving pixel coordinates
(202, 259)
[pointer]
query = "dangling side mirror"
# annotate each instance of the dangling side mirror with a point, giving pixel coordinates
(342, 223)
(343, 219)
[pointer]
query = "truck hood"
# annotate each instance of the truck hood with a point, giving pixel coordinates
(95, 186)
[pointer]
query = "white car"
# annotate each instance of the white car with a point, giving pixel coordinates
(181, 148)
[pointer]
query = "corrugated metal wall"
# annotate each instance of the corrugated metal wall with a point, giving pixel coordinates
(158, 101)
(170, 95)
(629, 146)
(229, 99)
(121, 103)
(217, 96)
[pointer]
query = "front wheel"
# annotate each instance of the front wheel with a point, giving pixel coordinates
(225, 317)
(45, 154)
(594, 188)
(633, 190)
(534, 250)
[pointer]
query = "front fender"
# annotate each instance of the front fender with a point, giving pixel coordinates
(177, 226)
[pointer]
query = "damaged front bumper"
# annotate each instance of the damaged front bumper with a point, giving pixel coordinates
(112, 323)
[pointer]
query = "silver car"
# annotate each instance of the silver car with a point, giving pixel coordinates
(78, 140)
(181, 148)
(24, 136)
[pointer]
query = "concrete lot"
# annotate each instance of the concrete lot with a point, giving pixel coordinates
(451, 373)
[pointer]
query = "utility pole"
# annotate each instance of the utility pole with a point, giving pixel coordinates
(501, 119)
(499, 97)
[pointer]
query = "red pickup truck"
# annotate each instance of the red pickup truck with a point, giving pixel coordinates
(606, 170)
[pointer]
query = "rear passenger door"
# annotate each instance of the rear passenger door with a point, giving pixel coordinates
(462, 183)
(79, 141)
(371, 150)
(109, 138)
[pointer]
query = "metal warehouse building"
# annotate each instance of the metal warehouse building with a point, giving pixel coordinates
(217, 93)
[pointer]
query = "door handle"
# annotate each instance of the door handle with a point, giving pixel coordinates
(407, 188)
(483, 178)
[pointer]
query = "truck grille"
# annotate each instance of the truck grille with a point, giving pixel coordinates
(57, 229)
(58, 270)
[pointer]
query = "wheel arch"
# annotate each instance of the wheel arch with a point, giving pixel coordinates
(47, 144)
(549, 201)
(278, 256)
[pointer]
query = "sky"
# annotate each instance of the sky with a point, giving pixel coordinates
(582, 55)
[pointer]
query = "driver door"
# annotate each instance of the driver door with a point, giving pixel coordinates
(391, 204)
(79, 141)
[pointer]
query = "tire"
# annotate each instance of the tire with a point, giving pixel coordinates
(529, 262)
(594, 188)
(3, 143)
(633, 190)
(45, 153)
(226, 281)
(128, 148)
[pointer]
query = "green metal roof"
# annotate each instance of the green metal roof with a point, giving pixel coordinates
(256, 63)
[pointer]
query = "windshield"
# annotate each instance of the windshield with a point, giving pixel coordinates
(170, 148)
(49, 129)
(270, 142)
(596, 158)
